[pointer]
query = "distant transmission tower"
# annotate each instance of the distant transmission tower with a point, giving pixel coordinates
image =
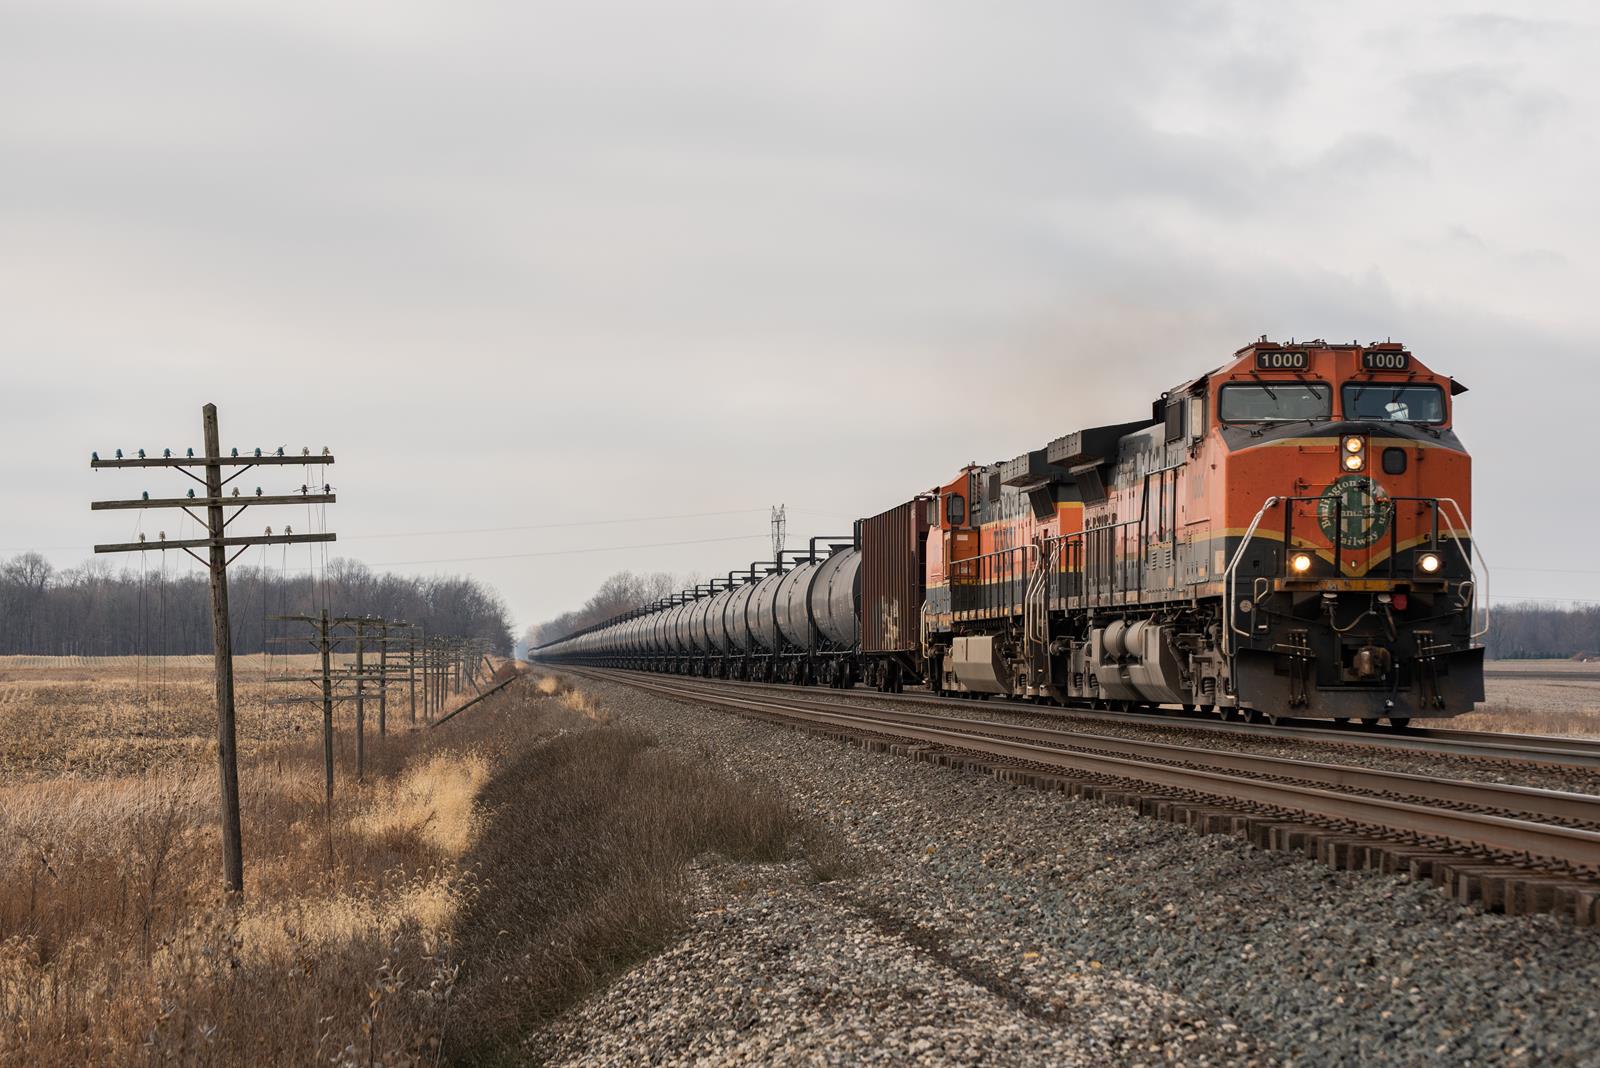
(780, 528)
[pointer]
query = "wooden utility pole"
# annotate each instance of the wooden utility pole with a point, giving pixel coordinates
(361, 700)
(411, 672)
(222, 657)
(326, 643)
(326, 638)
(383, 678)
(430, 668)
(323, 643)
(217, 542)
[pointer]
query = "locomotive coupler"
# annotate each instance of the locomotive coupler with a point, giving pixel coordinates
(1372, 662)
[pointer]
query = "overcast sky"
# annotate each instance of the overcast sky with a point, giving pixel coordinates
(533, 265)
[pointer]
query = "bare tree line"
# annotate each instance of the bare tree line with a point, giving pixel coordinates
(94, 610)
(620, 593)
(1543, 632)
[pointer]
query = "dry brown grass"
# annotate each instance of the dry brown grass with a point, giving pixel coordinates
(1555, 697)
(116, 945)
(91, 717)
(1518, 719)
(484, 876)
(590, 836)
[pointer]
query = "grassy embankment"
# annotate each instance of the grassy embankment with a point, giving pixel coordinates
(483, 877)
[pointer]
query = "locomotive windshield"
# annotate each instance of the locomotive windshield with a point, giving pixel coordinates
(1270, 402)
(1388, 402)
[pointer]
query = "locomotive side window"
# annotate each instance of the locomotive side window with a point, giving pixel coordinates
(1197, 417)
(1385, 402)
(1271, 402)
(955, 509)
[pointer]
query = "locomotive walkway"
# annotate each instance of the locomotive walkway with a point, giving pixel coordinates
(1514, 848)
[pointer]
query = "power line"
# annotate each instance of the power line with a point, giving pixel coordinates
(519, 556)
(476, 530)
(554, 526)
(567, 552)
(1550, 570)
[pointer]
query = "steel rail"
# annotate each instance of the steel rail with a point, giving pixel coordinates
(1523, 800)
(1487, 745)
(1568, 845)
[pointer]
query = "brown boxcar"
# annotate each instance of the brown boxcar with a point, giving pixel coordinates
(893, 554)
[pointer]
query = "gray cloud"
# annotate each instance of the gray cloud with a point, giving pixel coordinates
(1480, 94)
(524, 263)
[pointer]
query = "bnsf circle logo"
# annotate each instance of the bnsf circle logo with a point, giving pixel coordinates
(1361, 508)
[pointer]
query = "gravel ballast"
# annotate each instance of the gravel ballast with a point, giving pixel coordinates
(994, 924)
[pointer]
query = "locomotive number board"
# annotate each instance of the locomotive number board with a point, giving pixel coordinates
(1283, 361)
(1386, 361)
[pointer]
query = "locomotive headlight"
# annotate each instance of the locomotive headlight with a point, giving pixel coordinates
(1355, 453)
(1429, 563)
(1300, 563)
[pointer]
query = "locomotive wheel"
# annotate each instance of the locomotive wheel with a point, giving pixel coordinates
(1399, 723)
(1253, 715)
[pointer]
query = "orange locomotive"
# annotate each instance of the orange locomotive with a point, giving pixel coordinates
(1287, 535)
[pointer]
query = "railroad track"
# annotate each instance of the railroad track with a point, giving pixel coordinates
(1484, 745)
(1515, 848)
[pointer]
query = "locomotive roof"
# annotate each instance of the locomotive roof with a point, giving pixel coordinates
(1085, 444)
(1261, 344)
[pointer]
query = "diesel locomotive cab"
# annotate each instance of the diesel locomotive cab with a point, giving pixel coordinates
(1348, 574)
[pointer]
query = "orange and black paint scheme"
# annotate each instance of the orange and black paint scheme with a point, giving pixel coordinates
(1288, 535)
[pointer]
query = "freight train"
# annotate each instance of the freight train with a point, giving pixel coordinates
(1287, 535)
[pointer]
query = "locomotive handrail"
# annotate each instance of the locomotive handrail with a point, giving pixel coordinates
(1103, 555)
(1479, 570)
(1035, 610)
(922, 619)
(976, 572)
(1230, 579)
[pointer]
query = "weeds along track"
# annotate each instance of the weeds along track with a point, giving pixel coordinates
(1512, 848)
